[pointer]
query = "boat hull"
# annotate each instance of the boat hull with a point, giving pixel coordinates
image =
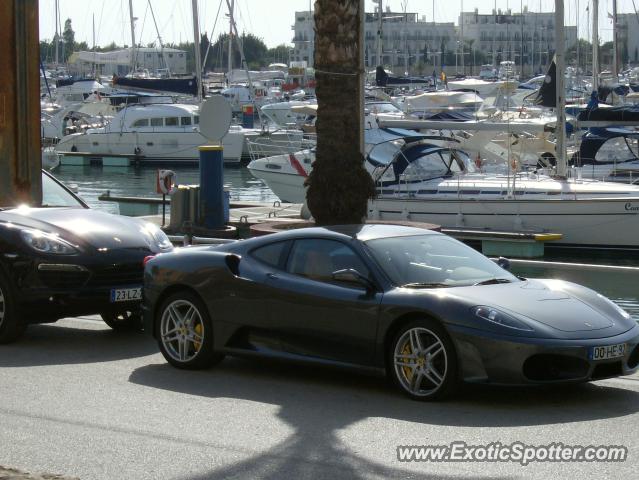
(611, 223)
(152, 147)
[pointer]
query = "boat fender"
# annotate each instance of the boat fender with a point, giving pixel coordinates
(74, 148)
(137, 151)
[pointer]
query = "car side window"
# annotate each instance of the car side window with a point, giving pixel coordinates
(271, 254)
(317, 259)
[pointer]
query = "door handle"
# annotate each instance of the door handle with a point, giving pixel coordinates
(272, 276)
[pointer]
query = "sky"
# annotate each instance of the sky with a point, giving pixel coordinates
(271, 20)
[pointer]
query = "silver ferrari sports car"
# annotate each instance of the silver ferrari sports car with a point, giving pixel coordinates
(414, 304)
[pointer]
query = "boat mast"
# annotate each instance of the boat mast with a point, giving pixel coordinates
(230, 63)
(577, 23)
(132, 19)
(595, 45)
(615, 60)
(93, 72)
(463, 69)
(379, 33)
(57, 33)
(166, 62)
(494, 35)
(198, 54)
(560, 65)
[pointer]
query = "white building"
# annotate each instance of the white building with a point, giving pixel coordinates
(118, 62)
(407, 40)
(511, 36)
(627, 39)
(410, 43)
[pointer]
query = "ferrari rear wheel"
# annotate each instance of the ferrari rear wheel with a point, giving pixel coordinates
(11, 327)
(185, 332)
(422, 361)
(127, 320)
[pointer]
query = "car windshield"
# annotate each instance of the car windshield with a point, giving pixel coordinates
(432, 261)
(54, 195)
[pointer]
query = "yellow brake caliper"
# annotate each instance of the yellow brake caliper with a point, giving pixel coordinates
(408, 372)
(198, 330)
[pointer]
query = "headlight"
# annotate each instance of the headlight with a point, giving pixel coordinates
(500, 318)
(47, 243)
(158, 239)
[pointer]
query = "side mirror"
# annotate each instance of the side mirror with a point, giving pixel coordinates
(350, 275)
(504, 263)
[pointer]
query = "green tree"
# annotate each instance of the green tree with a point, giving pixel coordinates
(69, 39)
(279, 54)
(338, 187)
(255, 51)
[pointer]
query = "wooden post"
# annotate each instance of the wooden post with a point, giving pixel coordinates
(20, 155)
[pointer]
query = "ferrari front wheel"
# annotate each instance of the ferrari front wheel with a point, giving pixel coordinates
(422, 361)
(185, 332)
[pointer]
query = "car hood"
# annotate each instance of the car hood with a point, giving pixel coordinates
(564, 306)
(82, 226)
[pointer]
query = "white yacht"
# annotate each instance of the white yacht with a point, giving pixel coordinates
(152, 133)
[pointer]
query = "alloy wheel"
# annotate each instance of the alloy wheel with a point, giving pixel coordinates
(420, 361)
(181, 330)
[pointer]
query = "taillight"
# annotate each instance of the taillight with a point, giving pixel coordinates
(147, 258)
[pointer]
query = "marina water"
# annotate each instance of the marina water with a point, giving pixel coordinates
(92, 181)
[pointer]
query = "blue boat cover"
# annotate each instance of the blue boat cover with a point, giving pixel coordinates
(612, 114)
(594, 139)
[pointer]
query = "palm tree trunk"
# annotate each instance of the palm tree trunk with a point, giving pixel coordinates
(338, 187)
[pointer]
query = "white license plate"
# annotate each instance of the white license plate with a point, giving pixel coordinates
(126, 294)
(607, 352)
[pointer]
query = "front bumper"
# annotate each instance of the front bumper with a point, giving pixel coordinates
(524, 361)
(47, 289)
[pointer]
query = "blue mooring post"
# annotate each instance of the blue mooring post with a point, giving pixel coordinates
(212, 186)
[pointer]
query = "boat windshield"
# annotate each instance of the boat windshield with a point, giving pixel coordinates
(382, 108)
(434, 261)
(426, 161)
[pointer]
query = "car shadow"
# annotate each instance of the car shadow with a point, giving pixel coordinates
(61, 345)
(319, 402)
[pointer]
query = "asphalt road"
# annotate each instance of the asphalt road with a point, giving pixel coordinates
(80, 400)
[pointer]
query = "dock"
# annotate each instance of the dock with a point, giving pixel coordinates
(259, 218)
